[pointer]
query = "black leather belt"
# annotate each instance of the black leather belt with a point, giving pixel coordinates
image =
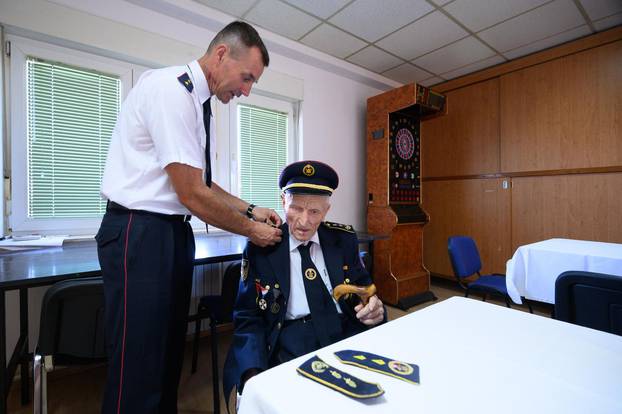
(304, 319)
(112, 206)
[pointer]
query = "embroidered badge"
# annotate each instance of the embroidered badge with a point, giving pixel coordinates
(397, 369)
(319, 371)
(185, 80)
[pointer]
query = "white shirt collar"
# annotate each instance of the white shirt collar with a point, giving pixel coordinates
(294, 243)
(199, 81)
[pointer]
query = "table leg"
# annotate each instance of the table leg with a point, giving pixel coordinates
(4, 373)
(23, 329)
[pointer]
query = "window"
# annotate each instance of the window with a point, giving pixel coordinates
(264, 142)
(64, 105)
(263, 154)
(71, 113)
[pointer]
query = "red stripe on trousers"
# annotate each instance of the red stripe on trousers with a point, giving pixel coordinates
(127, 236)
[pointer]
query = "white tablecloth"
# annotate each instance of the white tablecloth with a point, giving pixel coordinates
(474, 357)
(533, 269)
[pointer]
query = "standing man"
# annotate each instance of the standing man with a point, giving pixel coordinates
(158, 173)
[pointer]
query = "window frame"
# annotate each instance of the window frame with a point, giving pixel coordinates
(21, 48)
(264, 102)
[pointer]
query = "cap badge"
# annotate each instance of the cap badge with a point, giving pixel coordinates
(308, 170)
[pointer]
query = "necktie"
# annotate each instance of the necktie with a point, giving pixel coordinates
(207, 114)
(324, 316)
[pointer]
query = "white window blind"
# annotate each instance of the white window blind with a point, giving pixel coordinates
(263, 154)
(71, 113)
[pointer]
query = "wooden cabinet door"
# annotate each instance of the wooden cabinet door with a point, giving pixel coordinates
(563, 114)
(479, 208)
(574, 206)
(465, 141)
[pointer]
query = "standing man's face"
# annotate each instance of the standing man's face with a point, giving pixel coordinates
(235, 76)
(304, 213)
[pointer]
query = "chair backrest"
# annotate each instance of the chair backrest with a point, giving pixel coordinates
(590, 299)
(72, 320)
(464, 256)
(229, 291)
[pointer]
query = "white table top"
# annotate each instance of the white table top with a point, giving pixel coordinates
(533, 269)
(474, 357)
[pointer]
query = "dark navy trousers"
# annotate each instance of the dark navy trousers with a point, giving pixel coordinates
(147, 265)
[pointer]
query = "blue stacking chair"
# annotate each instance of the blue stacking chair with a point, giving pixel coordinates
(466, 262)
(590, 299)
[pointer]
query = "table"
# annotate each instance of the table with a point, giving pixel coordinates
(474, 357)
(23, 270)
(533, 269)
(27, 269)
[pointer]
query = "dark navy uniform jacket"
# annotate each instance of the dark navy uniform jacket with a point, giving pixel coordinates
(257, 330)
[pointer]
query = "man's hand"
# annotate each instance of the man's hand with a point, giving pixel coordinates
(372, 313)
(267, 215)
(264, 235)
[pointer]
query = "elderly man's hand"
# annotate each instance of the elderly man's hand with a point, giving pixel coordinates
(267, 215)
(372, 313)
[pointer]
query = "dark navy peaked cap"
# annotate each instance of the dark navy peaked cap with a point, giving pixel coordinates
(308, 177)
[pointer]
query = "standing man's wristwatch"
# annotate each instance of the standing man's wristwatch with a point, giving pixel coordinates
(249, 211)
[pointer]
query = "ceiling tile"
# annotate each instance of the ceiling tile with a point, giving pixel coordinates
(479, 14)
(320, 8)
(441, 2)
(407, 73)
(373, 19)
(548, 42)
(333, 41)
(415, 39)
(374, 59)
(545, 21)
(431, 81)
(597, 9)
(282, 18)
(473, 67)
(456, 55)
(608, 22)
(235, 8)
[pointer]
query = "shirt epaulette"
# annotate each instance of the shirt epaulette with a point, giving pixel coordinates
(338, 226)
(185, 80)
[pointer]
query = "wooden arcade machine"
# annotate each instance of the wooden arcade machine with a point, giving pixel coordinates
(394, 191)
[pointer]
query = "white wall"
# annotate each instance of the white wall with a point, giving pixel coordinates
(333, 97)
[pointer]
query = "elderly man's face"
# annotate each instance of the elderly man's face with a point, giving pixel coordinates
(304, 213)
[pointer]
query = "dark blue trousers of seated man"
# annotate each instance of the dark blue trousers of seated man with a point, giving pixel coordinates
(285, 307)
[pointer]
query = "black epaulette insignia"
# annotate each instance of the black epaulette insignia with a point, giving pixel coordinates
(338, 226)
(319, 371)
(397, 369)
(184, 79)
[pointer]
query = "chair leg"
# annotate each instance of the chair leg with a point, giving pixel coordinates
(195, 346)
(215, 380)
(40, 403)
(37, 371)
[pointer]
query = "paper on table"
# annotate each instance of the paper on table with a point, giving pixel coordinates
(44, 241)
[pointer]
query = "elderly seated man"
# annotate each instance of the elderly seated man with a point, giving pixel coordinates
(285, 307)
